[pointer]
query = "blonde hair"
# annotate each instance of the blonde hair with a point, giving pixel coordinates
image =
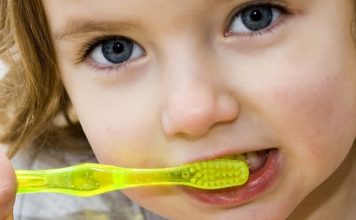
(31, 94)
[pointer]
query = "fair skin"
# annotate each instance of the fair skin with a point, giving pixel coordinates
(192, 91)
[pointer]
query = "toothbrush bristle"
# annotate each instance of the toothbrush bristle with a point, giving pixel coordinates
(215, 174)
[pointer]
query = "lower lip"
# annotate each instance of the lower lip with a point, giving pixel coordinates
(259, 182)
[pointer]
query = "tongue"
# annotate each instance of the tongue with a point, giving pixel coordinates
(256, 160)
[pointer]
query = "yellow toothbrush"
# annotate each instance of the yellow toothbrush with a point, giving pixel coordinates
(92, 179)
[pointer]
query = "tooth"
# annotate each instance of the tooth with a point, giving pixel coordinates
(254, 160)
(240, 157)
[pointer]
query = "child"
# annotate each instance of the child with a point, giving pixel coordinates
(161, 83)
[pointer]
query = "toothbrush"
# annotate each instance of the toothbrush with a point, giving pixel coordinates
(90, 179)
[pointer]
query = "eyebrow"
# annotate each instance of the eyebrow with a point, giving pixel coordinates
(84, 26)
(215, 2)
(75, 28)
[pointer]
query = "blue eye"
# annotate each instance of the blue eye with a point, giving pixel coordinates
(115, 50)
(255, 18)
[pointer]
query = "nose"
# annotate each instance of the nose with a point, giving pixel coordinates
(196, 102)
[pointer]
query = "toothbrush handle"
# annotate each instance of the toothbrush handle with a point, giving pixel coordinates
(136, 177)
(80, 180)
(30, 181)
(87, 180)
(149, 177)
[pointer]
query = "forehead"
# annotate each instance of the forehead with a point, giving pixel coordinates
(123, 6)
(96, 8)
(111, 9)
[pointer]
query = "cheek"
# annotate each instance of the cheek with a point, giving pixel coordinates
(307, 101)
(313, 109)
(119, 121)
(120, 136)
(114, 138)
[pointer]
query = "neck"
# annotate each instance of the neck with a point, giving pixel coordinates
(335, 198)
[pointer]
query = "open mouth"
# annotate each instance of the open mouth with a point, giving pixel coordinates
(263, 165)
(255, 160)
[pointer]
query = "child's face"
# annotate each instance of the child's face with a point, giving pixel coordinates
(200, 79)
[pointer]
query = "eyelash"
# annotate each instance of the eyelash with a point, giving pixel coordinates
(88, 47)
(282, 7)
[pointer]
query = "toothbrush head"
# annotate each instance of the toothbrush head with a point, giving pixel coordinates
(216, 174)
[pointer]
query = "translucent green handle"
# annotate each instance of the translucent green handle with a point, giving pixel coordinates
(92, 179)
